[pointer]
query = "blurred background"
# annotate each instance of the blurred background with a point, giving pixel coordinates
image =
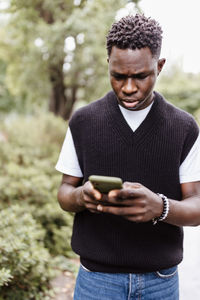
(53, 61)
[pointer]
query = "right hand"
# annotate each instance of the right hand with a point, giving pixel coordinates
(90, 197)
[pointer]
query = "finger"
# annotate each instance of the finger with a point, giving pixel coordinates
(89, 199)
(113, 194)
(123, 194)
(120, 210)
(136, 219)
(103, 200)
(130, 203)
(134, 185)
(96, 194)
(92, 208)
(116, 195)
(91, 192)
(119, 201)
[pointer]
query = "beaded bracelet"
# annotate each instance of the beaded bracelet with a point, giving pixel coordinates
(165, 210)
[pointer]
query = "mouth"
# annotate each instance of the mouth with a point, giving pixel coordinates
(129, 103)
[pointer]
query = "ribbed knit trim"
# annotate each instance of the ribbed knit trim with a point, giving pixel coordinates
(145, 129)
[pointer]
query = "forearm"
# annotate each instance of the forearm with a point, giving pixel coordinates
(70, 198)
(185, 212)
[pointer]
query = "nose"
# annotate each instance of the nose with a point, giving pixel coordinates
(129, 86)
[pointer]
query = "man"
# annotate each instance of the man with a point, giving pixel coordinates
(130, 241)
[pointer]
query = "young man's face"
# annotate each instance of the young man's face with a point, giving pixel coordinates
(133, 74)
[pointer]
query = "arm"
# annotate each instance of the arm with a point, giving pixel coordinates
(187, 211)
(69, 194)
(75, 198)
(139, 204)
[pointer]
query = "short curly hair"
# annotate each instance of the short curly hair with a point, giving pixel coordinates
(135, 32)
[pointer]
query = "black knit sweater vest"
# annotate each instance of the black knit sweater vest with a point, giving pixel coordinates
(106, 145)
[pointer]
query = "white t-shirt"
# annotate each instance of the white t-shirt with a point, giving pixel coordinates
(189, 170)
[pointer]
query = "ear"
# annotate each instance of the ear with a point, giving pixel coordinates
(160, 65)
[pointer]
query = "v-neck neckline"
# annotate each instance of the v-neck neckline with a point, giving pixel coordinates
(120, 125)
(135, 118)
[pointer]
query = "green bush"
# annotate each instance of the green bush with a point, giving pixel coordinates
(28, 174)
(25, 264)
(197, 115)
(180, 88)
(28, 154)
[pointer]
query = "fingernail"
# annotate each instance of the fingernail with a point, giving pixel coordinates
(97, 196)
(112, 194)
(99, 207)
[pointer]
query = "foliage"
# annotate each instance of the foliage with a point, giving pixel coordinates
(197, 115)
(28, 174)
(29, 150)
(56, 50)
(25, 263)
(7, 101)
(182, 89)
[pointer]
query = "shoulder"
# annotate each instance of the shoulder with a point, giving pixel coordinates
(176, 116)
(91, 111)
(179, 125)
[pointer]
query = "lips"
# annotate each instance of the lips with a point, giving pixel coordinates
(130, 103)
(129, 100)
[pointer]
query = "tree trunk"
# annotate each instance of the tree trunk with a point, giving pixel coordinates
(59, 103)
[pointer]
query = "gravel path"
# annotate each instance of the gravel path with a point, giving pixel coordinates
(189, 271)
(64, 285)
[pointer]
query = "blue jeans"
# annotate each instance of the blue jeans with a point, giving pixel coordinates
(160, 285)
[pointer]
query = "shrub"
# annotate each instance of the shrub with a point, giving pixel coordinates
(36, 230)
(28, 174)
(25, 263)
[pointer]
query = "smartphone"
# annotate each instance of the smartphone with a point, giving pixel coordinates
(104, 184)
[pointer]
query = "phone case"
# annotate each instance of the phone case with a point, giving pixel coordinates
(104, 184)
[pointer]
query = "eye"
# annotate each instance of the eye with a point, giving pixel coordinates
(118, 76)
(142, 76)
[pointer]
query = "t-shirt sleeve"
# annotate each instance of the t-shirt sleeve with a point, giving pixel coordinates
(190, 168)
(68, 160)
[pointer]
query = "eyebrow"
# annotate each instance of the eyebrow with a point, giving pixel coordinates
(133, 75)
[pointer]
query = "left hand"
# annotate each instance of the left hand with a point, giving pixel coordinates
(135, 203)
